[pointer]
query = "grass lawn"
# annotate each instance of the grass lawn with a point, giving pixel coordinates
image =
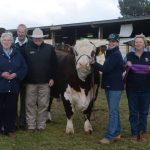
(54, 138)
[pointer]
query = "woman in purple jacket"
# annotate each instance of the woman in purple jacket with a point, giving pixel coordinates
(138, 88)
(12, 70)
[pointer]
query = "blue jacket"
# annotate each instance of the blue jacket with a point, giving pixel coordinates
(112, 70)
(14, 64)
(136, 81)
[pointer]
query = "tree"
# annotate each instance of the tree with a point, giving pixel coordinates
(134, 8)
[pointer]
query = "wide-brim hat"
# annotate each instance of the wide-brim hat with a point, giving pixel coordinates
(38, 33)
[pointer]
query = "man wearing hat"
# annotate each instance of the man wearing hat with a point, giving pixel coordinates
(41, 61)
(112, 82)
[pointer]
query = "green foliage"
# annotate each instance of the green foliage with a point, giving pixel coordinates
(55, 138)
(134, 8)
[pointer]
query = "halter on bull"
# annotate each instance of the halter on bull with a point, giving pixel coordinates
(77, 82)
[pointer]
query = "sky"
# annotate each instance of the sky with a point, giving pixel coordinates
(36, 13)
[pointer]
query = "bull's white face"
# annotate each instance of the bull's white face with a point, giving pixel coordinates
(84, 54)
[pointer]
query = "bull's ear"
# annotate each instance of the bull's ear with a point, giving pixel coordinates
(101, 49)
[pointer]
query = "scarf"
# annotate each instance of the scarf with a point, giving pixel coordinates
(136, 68)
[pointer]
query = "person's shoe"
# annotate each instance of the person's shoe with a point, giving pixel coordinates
(142, 138)
(104, 141)
(117, 138)
(1, 133)
(11, 134)
(134, 139)
(31, 130)
(23, 128)
(40, 130)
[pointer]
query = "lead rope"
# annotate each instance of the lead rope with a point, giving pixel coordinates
(93, 97)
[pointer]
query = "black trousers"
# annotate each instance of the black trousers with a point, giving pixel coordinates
(8, 111)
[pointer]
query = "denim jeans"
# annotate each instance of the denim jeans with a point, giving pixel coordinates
(138, 103)
(113, 100)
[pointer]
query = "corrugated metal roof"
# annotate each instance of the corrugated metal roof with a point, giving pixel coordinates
(119, 20)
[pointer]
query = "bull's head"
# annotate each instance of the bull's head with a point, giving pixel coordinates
(84, 54)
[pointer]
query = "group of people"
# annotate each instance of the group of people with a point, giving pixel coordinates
(136, 82)
(27, 70)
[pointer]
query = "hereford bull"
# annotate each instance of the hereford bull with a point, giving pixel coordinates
(77, 82)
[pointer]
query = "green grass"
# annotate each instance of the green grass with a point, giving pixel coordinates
(55, 138)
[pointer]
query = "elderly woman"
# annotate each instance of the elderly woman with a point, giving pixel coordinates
(138, 88)
(12, 70)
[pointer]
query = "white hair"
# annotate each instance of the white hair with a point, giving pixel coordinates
(7, 34)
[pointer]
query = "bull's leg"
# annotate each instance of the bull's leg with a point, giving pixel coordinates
(50, 103)
(69, 114)
(87, 113)
(49, 117)
(69, 126)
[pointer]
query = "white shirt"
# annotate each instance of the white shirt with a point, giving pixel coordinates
(8, 52)
(20, 43)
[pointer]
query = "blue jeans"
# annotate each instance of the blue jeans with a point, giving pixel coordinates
(138, 103)
(113, 100)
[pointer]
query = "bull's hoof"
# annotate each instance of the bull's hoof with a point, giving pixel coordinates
(49, 117)
(88, 127)
(69, 127)
(89, 132)
(69, 131)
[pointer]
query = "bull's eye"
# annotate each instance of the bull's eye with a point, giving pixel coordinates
(92, 54)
